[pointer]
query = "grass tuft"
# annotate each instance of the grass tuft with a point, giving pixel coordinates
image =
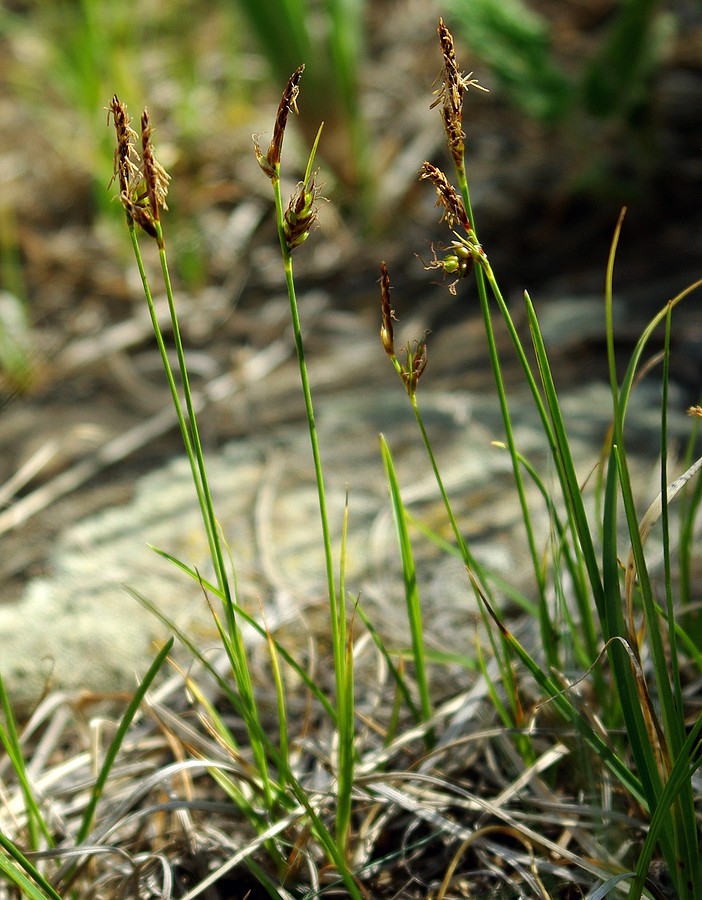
(568, 764)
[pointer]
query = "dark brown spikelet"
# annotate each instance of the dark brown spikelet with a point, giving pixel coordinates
(387, 312)
(142, 189)
(271, 161)
(455, 135)
(452, 85)
(450, 94)
(155, 176)
(447, 196)
(125, 167)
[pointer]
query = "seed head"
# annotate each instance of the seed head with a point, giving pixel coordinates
(453, 86)
(416, 363)
(301, 214)
(447, 197)
(387, 312)
(143, 182)
(416, 351)
(126, 158)
(271, 161)
(155, 176)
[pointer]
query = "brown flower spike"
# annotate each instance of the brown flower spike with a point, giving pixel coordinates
(450, 94)
(126, 159)
(271, 161)
(155, 176)
(387, 312)
(411, 372)
(447, 197)
(142, 189)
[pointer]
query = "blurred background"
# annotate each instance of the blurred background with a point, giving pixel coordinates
(593, 104)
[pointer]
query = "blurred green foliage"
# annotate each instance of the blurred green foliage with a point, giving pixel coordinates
(195, 64)
(594, 88)
(329, 38)
(66, 58)
(515, 42)
(615, 82)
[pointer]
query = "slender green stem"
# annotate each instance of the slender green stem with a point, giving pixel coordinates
(414, 608)
(483, 271)
(168, 371)
(514, 454)
(480, 583)
(309, 410)
(342, 655)
(345, 707)
(37, 828)
(187, 420)
(470, 561)
(201, 480)
(677, 735)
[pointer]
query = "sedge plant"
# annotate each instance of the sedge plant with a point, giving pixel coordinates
(143, 186)
(631, 646)
(628, 644)
(614, 610)
(294, 222)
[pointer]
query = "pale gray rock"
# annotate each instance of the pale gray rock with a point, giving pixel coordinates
(79, 625)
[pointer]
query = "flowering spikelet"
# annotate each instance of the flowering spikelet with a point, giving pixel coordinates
(301, 213)
(155, 176)
(447, 197)
(126, 159)
(452, 86)
(450, 94)
(416, 363)
(271, 161)
(387, 312)
(142, 188)
(416, 351)
(457, 260)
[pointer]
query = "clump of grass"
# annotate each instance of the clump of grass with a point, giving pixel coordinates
(616, 612)
(143, 192)
(414, 797)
